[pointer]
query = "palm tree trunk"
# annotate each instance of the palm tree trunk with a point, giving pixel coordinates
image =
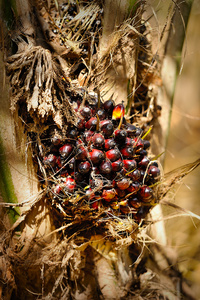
(76, 259)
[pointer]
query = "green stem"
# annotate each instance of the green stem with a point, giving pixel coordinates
(6, 185)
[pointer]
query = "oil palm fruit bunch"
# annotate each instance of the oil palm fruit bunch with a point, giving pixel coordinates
(103, 161)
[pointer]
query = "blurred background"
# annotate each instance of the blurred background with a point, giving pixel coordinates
(184, 147)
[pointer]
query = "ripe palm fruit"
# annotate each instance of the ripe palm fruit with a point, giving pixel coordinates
(144, 162)
(56, 140)
(118, 112)
(107, 128)
(130, 129)
(65, 150)
(86, 112)
(146, 144)
(88, 135)
(129, 164)
(113, 154)
(101, 114)
(81, 153)
(73, 133)
(108, 194)
(109, 106)
(98, 140)
(135, 175)
(91, 124)
(96, 156)
(128, 142)
(50, 160)
(154, 171)
(146, 193)
(135, 202)
(57, 189)
(95, 205)
(80, 124)
(105, 167)
(138, 144)
(123, 183)
(128, 152)
(134, 187)
(69, 184)
(109, 144)
(117, 165)
(84, 167)
(120, 136)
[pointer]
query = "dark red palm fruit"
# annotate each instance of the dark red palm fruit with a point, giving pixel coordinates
(105, 167)
(57, 189)
(71, 164)
(77, 176)
(58, 162)
(96, 156)
(98, 140)
(108, 194)
(134, 187)
(117, 165)
(70, 184)
(50, 160)
(144, 162)
(153, 171)
(154, 163)
(130, 129)
(80, 124)
(107, 128)
(84, 167)
(55, 140)
(123, 183)
(88, 135)
(146, 144)
(113, 154)
(95, 205)
(109, 144)
(146, 193)
(120, 136)
(96, 170)
(141, 213)
(65, 150)
(109, 106)
(135, 202)
(101, 114)
(142, 173)
(81, 153)
(135, 175)
(129, 164)
(141, 153)
(128, 142)
(120, 193)
(86, 112)
(123, 172)
(138, 144)
(118, 112)
(127, 152)
(91, 124)
(64, 173)
(89, 193)
(73, 133)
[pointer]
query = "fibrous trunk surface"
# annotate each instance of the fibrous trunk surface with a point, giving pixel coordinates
(84, 99)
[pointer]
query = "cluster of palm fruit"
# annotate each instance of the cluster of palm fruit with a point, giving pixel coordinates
(103, 160)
